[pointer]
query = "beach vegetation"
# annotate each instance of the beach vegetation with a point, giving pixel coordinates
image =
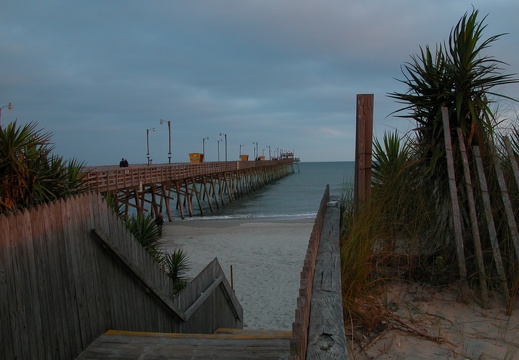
(177, 265)
(406, 230)
(30, 173)
(144, 229)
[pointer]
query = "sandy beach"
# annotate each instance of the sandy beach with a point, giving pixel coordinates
(424, 322)
(266, 259)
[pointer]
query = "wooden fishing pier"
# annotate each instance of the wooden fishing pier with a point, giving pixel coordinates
(207, 185)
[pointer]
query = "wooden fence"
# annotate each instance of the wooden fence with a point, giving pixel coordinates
(70, 270)
(299, 341)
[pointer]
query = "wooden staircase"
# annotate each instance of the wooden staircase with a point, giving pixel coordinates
(224, 344)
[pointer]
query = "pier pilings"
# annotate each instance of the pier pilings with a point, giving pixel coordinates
(184, 187)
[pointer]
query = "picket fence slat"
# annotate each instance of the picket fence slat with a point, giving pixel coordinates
(6, 279)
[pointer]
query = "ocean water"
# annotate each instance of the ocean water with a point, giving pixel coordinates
(296, 196)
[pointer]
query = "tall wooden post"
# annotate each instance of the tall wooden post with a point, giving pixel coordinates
(363, 145)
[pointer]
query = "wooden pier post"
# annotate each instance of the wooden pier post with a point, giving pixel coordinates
(363, 145)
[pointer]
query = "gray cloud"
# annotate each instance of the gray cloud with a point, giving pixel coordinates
(284, 74)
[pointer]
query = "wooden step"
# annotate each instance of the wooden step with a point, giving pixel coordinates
(227, 344)
(280, 334)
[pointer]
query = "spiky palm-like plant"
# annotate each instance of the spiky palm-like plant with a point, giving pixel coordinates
(177, 265)
(29, 173)
(395, 177)
(459, 76)
(145, 231)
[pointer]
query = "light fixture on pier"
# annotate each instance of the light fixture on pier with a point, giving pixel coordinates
(148, 142)
(256, 155)
(169, 137)
(225, 135)
(9, 107)
(203, 146)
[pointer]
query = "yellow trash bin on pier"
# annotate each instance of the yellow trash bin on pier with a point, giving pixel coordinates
(196, 157)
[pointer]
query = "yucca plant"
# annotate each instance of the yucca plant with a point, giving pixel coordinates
(29, 173)
(145, 231)
(396, 184)
(177, 265)
(459, 76)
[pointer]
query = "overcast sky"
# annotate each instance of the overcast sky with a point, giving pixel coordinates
(284, 74)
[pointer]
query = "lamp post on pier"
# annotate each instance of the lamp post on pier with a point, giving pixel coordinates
(225, 135)
(255, 143)
(169, 137)
(148, 142)
(241, 147)
(9, 107)
(203, 145)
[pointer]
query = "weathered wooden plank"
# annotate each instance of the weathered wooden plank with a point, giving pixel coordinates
(326, 335)
(97, 300)
(26, 280)
(300, 326)
(66, 246)
(490, 224)
(513, 161)
(22, 311)
(106, 271)
(456, 214)
(473, 220)
(363, 145)
(204, 295)
(507, 203)
(255, 333)
(57, 306)
(138, 345)
(79, 262)
(6, 296)
(137, 271)
(43, 289)
(63, 281)
(90, 278)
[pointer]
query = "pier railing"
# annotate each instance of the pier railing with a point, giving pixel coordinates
(300, 326)
(108, 178)
(318, 329)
